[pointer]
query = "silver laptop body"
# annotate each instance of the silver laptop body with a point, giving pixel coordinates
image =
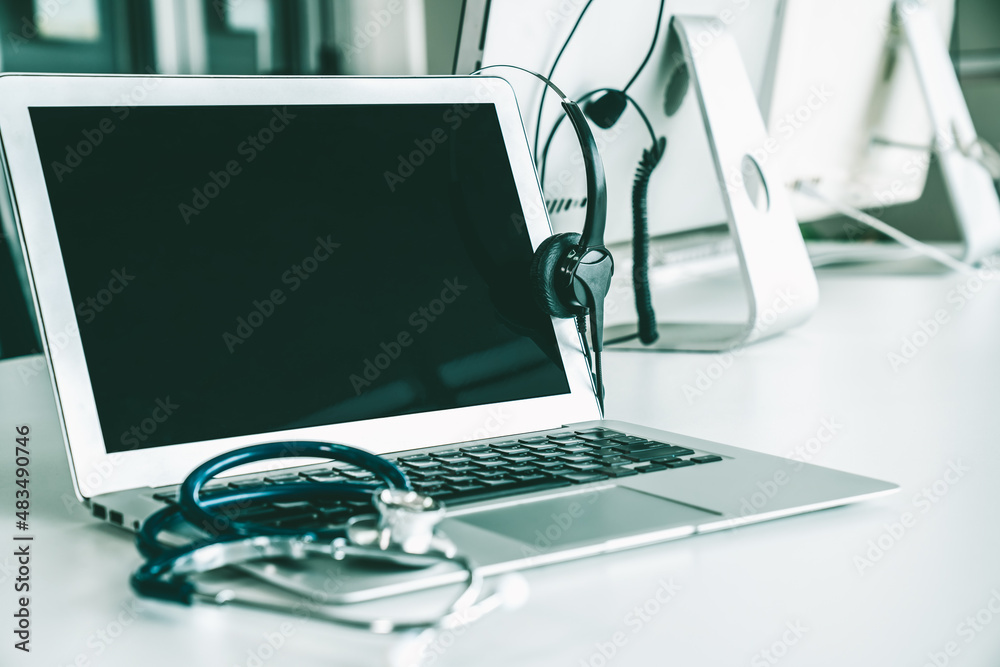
(92, 163)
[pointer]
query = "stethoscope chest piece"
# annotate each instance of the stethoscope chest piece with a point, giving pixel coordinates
(405, 528)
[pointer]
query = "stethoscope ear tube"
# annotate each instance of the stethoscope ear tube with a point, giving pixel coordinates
(202, 515)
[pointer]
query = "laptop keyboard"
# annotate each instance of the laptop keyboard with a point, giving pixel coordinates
(466, 474)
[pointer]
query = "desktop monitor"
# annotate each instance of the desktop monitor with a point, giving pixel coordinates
(606, 49)
(846, 110)
(863, 98)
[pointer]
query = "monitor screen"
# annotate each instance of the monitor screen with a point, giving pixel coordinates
(238, 270)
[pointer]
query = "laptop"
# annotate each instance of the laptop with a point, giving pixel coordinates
(222, 261)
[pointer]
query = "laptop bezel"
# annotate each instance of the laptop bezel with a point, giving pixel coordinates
(96, 472)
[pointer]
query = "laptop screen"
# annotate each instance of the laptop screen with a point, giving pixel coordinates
(246, 269)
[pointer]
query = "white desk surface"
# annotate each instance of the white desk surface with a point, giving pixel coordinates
(739, 591)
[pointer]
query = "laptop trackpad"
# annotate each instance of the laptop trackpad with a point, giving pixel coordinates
(586, 518)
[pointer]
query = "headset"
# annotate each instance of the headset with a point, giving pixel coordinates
(605, 111)
(571, 273)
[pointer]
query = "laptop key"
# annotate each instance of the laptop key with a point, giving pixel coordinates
(527, 478)
(497, 483)
(583, 477)
(540, 446)
(657, 453)
(514, 451)
(598, 434)
(492, 463)
(459, 479)
(573, 449)
(422, 463)
(485, 454)
(518, 459)
(460, 467)
(650, 468)
(584, 466)
(359, 475)
(533, 441)
(576, 458)
(517, 468)
(664, 461)
(488, 474)
(629, 439)
(618, 472)
(282, 479)
(451, 457)
(710, 458)
(680, 463)
(541, 484)
(326, 477)
(549, 454)
(461, 488)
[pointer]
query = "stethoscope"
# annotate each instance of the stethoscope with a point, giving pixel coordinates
(402, 532)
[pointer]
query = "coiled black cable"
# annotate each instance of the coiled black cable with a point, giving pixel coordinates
(640, 241)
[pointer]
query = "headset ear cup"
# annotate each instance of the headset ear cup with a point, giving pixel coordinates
(543, 274)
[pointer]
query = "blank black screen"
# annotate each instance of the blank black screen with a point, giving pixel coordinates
(246, 269)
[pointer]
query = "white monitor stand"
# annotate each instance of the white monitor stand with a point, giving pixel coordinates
(961, 153)
(777, 274)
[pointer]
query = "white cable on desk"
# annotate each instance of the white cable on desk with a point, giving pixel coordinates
(930, 251)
